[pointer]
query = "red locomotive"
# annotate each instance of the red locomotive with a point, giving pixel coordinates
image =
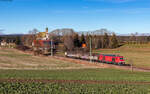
(112, 59)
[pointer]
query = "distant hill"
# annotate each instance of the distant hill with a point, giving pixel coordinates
(96, 32)
(11, 35)
(1, 33)
(139, 34)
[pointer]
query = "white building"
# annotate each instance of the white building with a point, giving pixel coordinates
(3, 43)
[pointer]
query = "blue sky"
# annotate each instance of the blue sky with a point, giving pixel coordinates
(120, 16)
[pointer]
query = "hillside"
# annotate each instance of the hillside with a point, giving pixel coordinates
(14, 59)
(137, 54)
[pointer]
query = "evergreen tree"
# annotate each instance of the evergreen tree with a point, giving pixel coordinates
(18, 40)
(99, 41)
(82, 40)
(0, 39)
(148, 38)
(87, 40)
(106, 41)
(114, 41)
(76, 40)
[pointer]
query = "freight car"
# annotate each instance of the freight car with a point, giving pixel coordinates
(103, 58)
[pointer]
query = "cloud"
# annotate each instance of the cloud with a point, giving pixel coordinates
(1, 30)
(113, 1)
(107, 10)
(136, 11)
(81, 11)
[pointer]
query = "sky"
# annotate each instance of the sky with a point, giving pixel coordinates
(120, 16)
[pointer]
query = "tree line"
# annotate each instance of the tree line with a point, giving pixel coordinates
(97, 41)
(11, 39)
(72, 40)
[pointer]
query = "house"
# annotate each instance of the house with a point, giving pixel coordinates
(7, 45)
(3, 43)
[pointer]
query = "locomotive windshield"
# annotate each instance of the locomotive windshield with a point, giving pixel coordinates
(121, 58)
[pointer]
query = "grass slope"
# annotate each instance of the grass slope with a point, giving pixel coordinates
(14, 59)
(139, 55)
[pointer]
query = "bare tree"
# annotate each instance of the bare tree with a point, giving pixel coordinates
(28, 39)
(69, 42)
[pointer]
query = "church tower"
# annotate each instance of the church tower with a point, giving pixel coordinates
(47, 33)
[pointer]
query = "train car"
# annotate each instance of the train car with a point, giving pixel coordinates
(111, 59)
(85, 57)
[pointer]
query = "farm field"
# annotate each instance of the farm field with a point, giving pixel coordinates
(22, 73)
(69, 88)
(139, 55)
(73, 81)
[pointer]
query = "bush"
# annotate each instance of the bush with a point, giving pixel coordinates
(23, 48)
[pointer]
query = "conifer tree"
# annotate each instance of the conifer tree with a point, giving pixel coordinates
(82, 40)
(87, 40)
(18, 40)
(106, 41)
(113, 41)
(76, 40)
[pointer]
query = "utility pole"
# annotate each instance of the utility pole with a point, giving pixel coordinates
(131, 62)
(51, 47)
(90, 49)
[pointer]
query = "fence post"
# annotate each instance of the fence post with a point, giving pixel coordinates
(51, 47)
(90, 49)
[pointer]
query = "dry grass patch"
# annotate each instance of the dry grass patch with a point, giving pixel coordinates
(14, 59)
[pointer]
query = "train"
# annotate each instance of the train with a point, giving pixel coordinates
(102, 58)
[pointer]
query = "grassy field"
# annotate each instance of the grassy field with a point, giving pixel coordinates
(139, 55)
(74, 74)
(14, 59)
(74, 88)
(15, 64)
